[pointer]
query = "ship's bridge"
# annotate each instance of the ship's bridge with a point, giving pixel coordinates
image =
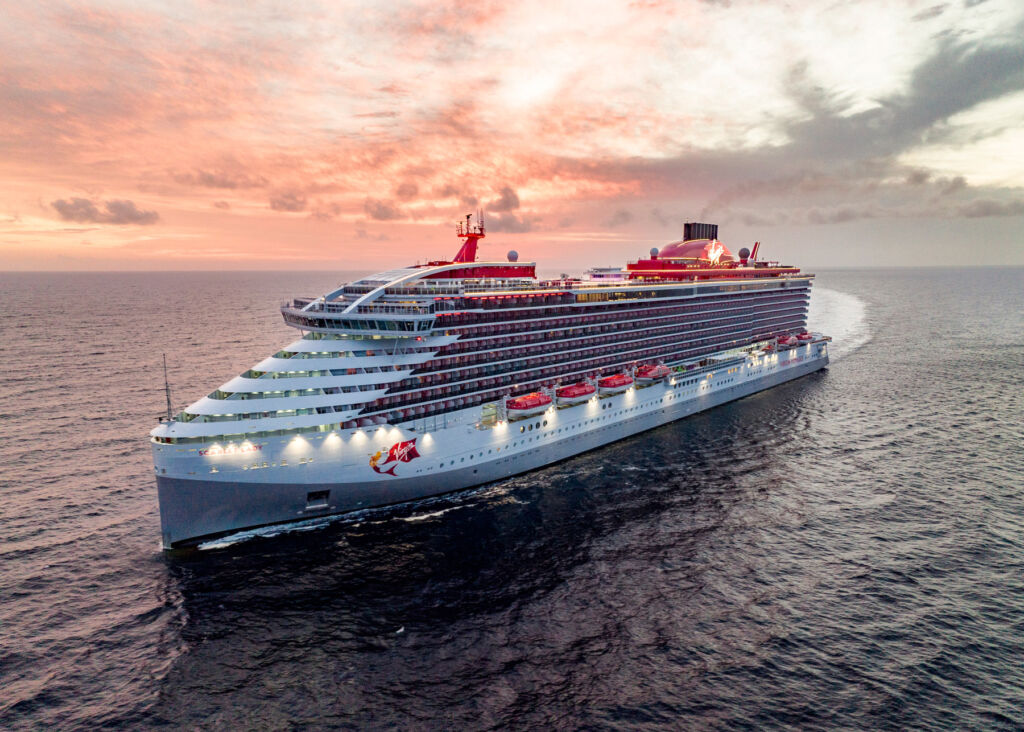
(402, 302)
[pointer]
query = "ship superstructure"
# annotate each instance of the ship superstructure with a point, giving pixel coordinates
(400, 378)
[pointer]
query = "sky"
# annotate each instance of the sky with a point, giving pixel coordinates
(352, 135)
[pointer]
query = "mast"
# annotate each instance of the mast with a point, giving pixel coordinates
(472, 234)
(167, 389)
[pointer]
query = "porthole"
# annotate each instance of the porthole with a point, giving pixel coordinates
(531, 428)
(545, 423)
(522, 429)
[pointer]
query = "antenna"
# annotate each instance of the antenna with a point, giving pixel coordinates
(472, 234)
(167, 389)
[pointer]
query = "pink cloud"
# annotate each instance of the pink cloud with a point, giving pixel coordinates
(262, 127)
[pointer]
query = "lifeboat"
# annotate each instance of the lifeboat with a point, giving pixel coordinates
(527, 405)
(787, 341)
(805, 337)
(650, 373)
(615, 383)
(575, 393)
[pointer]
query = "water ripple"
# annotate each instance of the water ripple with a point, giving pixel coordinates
(844, 552)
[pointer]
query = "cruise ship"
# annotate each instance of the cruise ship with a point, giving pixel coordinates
(438, 377)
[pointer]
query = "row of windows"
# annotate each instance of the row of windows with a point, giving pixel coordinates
(254, 374)
(556, 342)
(530, 380)
(348, 324)
(351, 354)
(609, 311)
(505, 373)
(438, 409)
(581, 349)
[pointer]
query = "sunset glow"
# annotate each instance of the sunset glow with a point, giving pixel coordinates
(352, 135)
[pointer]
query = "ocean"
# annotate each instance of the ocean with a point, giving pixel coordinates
(841, 552)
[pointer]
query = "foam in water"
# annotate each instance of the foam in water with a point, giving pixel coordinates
(842, 316)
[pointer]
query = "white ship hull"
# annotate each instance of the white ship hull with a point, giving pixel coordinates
(210, 490)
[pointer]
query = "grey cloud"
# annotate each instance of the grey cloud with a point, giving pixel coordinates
(985, 207)
(363, 234)
(325, 210)
(955, 78)
(507, 201)
(841, 166)
(450, 191)
(218, 178)
(663, 219)
(381, 210)
(115, 212)
(952, 185)
(221, 204)
(619, 218)
(840, 215)
(929, 13)
(509, 223)
(407, 190)
(288, 201)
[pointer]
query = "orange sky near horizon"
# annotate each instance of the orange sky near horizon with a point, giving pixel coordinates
(352, 135)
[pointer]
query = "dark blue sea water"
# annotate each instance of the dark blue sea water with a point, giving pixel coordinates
(843, 552)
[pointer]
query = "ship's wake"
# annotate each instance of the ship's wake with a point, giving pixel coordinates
(842, 316)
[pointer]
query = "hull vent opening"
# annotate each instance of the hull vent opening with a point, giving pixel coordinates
(317, 499)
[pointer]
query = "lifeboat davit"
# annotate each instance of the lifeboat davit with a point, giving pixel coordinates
(527, 405)
(615, 383)
(575, 393)
(649, 373)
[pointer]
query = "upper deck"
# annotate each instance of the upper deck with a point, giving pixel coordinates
(405, 302)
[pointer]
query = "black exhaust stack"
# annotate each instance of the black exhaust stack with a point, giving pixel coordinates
(693, 230)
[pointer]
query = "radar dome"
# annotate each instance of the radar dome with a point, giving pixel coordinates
(744, 253)
(654, 251)
(513, 255)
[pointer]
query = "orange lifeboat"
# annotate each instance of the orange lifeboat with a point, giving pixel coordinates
(527, 405)
(575, 393)
(649, 373)
(805, 337)
(615, 383)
